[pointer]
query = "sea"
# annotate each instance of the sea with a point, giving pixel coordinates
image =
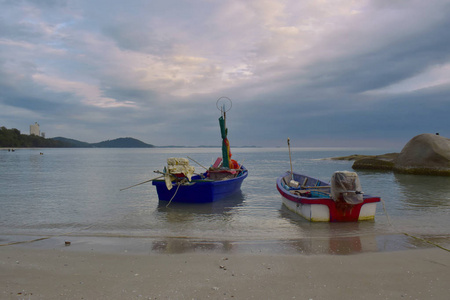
(72, 197)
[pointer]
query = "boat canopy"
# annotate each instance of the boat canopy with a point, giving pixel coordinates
(180, 165)
(177, 166)
(345, 186)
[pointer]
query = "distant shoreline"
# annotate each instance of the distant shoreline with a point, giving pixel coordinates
(158, 147)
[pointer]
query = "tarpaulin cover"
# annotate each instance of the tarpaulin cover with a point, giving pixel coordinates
(177, 165)
(345, 185)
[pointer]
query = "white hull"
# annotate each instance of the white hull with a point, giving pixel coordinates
(321, 212)
(311, 212)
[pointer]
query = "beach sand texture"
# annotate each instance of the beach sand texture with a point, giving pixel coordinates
(66, 274)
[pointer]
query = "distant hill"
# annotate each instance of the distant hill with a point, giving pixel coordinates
(13, 138)
(71, 143)
(122, 143)
(116, 143)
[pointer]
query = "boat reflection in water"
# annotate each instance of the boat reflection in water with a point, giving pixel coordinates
(179, 245)
(195, 220)
(223, 206)
(330, 238)
(314, 238)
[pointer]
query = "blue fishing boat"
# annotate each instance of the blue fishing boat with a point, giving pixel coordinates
(222, 179)
(201, 188)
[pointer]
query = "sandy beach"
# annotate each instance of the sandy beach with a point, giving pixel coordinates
(65, 274)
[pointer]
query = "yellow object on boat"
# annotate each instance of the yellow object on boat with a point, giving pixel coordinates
(177, 166)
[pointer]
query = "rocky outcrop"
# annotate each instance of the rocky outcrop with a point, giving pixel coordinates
(427, 154)
(373, 163)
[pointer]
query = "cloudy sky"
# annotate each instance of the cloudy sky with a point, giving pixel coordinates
(322, 72)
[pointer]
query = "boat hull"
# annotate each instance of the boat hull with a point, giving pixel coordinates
(200, 191)
(316, 209)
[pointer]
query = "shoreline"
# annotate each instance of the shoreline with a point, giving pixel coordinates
(137, 245)
(27, 273)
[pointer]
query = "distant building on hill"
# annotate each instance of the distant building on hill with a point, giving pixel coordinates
(34, 129)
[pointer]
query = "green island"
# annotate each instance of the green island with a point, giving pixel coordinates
(13, 138)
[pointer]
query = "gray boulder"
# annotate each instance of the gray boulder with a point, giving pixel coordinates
(427, 154)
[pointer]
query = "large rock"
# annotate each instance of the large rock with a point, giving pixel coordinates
(425, 154)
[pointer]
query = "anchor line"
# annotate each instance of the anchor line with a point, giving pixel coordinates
(410, 235)
(44, 238)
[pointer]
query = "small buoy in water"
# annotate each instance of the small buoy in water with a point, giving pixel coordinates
(67, 243)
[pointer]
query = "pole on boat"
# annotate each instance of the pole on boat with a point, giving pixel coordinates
(290, 159)
(221, 105)
(198, 163)
(142, 182)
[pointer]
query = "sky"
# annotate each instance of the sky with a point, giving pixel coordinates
(337, 73)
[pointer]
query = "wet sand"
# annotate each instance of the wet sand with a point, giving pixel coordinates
(27, 273)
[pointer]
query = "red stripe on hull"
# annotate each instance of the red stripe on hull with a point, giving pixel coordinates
(339, 212)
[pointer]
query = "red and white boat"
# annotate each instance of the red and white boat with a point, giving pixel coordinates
(318, 201)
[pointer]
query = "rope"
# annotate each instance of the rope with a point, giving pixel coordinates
(198, 163)
(410, 235)
(178, 186)
(23, 242)
(385, 211)
(426, 241)
(44, 238)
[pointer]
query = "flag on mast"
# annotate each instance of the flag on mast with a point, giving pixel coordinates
(226, 154)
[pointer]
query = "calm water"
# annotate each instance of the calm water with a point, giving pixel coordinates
(73, 195)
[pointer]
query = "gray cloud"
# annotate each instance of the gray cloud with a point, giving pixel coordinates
(373, 73)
